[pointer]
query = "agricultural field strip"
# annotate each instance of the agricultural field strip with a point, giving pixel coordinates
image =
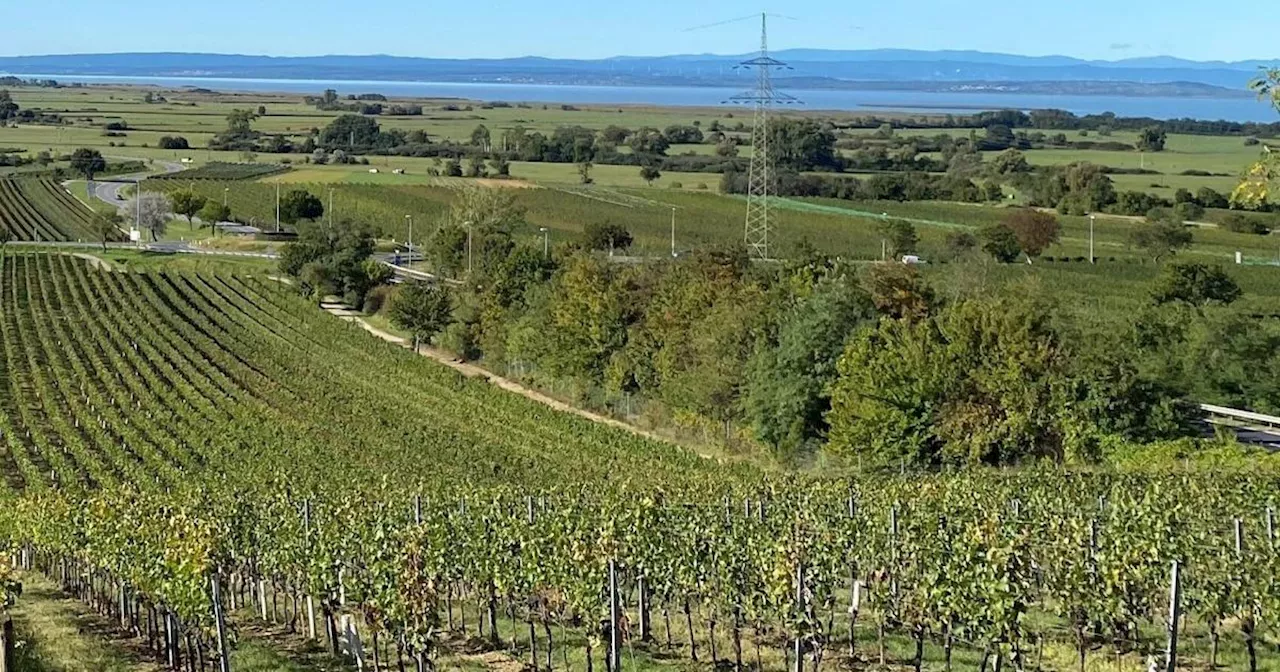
(40, 209)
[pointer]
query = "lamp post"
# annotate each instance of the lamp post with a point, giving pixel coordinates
(1091, 220)
(468, 225)
(409, 218)
(673, 232)
(546, 242)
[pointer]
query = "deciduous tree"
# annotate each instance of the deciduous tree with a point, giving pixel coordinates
(298, 204)
(999, 241)
(606, 236)
(1196, 285)
(88, 162)
(187, 203)
(422, 309)
(1034, 230)
(151, 211)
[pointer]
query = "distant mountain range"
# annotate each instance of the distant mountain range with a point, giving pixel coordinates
(810, 68)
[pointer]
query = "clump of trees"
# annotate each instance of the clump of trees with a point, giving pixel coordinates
(334, 260)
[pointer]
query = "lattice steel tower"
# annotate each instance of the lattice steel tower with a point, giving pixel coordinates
(760, 179)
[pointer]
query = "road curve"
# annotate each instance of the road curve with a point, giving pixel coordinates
(109, 191)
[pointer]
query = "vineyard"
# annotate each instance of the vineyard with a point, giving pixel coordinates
(41, 210)
(218, 170)
(176, 448)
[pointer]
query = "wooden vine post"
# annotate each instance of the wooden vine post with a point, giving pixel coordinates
(615, 619)
(1175, 612)
(6, 643)
(220, 623)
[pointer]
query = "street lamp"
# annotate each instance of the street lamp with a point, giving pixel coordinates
(409, 218)
(1091, 219)
(225, 191)
(468, 225)
(673, 232)
(546, 242)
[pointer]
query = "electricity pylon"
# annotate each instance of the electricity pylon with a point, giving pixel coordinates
(760, 180)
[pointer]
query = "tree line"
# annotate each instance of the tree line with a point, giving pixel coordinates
(818, 356)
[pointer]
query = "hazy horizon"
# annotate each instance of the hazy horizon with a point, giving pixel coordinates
(559, 29)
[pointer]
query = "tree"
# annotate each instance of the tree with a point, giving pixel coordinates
(500, 166)
(1161, 238)
(606, 236)
(350, 131)
(1010, 162)
(615, 135)
(649, 174)
(480, 137)
(786, 390)
(453, 168)
(999, 241)
(422, 309)
(300, 204)
(897, 290)
(1151, 139)
(587, 318)
(151, 211)
(330, 259)
(171, 142)
(648, 141)
(900, 236)
(187, 203)
(8, 108)
(1034, 230)
(1188, 211)
(974, 384)
(214, 212)
(106, 227)
(1238, 223)
(240, 123)
(1211, 198)
(88, 162)
(584, 172)
(1195, 285)
(960, 243)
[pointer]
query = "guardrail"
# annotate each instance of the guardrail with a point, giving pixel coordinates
(1237, 414)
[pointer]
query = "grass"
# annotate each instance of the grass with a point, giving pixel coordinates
(59, 634)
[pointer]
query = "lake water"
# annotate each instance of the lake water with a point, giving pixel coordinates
(869, 102)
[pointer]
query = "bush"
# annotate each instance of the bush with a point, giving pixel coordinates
(376, 299)
(676, 185)
(1238, 223)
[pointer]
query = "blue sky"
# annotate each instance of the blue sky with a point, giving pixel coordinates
(1103, 29)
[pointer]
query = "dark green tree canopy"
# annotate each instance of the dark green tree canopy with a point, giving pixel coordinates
(421, 308)
(1196, 285)
(606, 236)
(88, 162)
(300, 204)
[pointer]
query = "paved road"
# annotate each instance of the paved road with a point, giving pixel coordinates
(109, 191)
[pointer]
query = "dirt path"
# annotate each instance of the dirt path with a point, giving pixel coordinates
(473, 371)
